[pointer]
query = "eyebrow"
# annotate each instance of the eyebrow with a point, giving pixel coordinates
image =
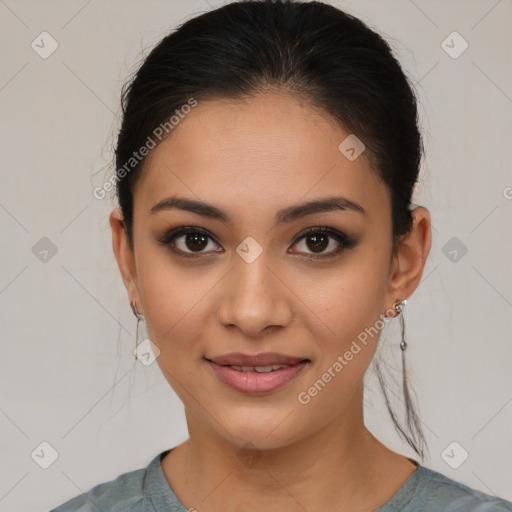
(285, 215)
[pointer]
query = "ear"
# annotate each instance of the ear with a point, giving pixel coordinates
(409, 260)
(124, 256)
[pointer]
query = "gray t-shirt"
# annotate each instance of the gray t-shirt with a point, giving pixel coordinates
(147, 490)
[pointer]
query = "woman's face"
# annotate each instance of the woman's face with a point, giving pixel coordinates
(252, 281)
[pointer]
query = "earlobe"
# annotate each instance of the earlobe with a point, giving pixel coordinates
(411, 256)
(124, 254)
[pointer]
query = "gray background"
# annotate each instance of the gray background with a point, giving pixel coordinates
(67, 375)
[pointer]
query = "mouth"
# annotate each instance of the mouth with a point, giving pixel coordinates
(260, 373)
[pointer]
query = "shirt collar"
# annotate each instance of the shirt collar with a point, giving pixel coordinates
(158, 494)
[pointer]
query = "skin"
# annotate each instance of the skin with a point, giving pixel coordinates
(251, 158)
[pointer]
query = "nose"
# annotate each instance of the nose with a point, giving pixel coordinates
(255, 301)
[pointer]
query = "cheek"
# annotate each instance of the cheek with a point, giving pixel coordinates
(351, 298)
(350, 308)
(168, 295)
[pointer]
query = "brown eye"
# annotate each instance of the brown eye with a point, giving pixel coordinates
(189, 241)
(195, 241)
(317, 243)
(320, 242)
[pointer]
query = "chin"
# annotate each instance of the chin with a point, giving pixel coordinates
(267, 430)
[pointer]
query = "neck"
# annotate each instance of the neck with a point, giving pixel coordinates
(339, 463)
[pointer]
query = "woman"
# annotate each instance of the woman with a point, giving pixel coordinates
(265, 168)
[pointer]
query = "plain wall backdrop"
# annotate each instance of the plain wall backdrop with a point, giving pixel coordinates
(68, 377)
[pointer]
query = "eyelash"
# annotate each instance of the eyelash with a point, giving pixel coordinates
(345, 241)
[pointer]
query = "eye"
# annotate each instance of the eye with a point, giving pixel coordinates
(188, 241)
(191, 242)
(318, 239)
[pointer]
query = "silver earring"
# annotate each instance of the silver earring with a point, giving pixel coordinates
(139, 317)
(413, 422)
(399, 307)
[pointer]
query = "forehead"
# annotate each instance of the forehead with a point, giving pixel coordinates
(266, 151)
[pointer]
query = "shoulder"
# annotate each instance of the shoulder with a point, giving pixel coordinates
(435, 491)
(126, 492)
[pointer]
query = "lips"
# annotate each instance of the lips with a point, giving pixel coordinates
(263, 359)
(261, 373)
(260, 369)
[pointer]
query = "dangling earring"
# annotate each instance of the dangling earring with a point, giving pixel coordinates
(415, 439)
(399, 306)
(139, 317)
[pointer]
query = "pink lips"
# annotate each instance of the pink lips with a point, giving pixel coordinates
(251, 380)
